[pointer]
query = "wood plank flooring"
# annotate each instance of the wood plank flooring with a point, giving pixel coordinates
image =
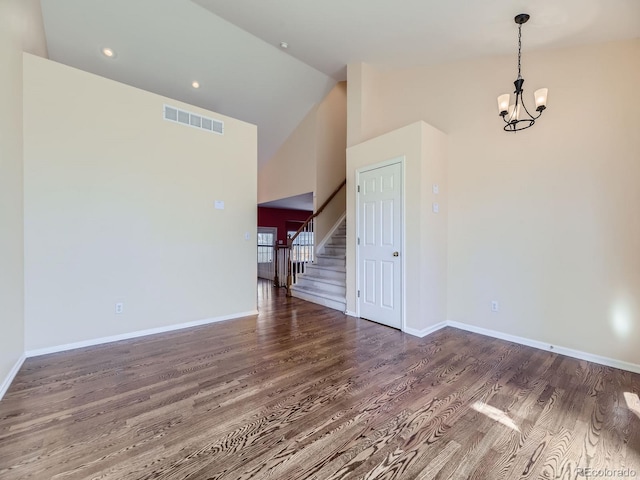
(304, 392)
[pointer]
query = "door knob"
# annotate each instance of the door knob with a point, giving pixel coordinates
(395, 254)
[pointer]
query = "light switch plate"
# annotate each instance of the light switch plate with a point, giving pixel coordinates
(436, 208)
(219, 204)
(436, 188)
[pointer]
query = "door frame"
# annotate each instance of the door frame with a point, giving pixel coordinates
(273, 230)
(403, 302)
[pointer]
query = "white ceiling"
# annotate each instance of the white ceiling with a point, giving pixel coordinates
(330, 34)
(232, 47)
(297, 202)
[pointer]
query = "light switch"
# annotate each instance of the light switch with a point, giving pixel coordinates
(436, 188)
(436, 208)
(247, 236)
(219, 205)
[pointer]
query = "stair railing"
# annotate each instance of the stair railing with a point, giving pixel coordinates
(300, 246)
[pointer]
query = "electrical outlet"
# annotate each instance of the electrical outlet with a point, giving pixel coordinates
(119, 308)
(495, 306)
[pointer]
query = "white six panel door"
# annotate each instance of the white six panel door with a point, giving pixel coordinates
(380, 237)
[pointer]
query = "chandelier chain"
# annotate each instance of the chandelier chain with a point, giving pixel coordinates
(519, 48)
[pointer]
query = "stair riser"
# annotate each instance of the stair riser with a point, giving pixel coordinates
(327, 287)
(335, 250)
(331, 262)
(321, 301)
(325, 273)
(337, 241)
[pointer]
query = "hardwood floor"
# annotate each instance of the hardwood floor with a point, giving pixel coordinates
(304, 392)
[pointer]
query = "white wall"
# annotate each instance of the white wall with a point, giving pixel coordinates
(20, 29)
(424, 151)
(545, 221)
(119, 207)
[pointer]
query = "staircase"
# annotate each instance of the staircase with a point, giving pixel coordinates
(324, 281)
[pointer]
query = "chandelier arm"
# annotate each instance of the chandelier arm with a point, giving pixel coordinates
(525, 109)
(531, 116)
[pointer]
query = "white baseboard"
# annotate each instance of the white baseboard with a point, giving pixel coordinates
(425, 331)
(349, 313)
(6, 383)
(140, 333)
(569, 352)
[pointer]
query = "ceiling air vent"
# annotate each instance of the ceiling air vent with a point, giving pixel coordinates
(174, 114)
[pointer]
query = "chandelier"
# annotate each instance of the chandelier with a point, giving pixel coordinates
(515, 115)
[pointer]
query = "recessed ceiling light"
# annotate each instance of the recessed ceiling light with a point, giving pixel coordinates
(195, 85)
(284, 45)
(109, 52)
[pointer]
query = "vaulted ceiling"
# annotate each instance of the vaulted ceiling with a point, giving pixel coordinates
(232, 48)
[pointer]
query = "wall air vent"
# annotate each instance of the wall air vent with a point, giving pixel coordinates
(173, 114)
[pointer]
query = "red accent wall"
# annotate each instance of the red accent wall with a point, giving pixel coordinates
(283, 219)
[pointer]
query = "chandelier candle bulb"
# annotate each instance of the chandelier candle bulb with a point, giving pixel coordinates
(503, 104)
(541, 98)
(514, 112)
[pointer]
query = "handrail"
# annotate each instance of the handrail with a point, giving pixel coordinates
(320, 210)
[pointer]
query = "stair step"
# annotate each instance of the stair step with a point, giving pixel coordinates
(331, 285)
(335, 250)
(320, 297)
(338, 240)
(330, 260)
(326, 271)
(328, 281)
(313, 266)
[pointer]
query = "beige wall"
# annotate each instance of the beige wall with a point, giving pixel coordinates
(20, 29)
(312, 160)
(331, 157)
(362, 89)
(423, 149)
(545, 221)
(119, 207)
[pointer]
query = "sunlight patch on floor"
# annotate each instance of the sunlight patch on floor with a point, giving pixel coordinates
(633, 402)
(495, 414)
